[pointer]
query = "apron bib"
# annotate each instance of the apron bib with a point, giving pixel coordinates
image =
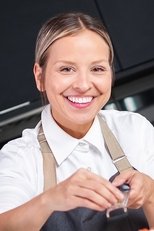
(83, 219)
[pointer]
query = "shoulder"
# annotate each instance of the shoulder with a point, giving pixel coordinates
(135, 135)
(27, 141)
(123, 119)
(23, 157)
(129, 127)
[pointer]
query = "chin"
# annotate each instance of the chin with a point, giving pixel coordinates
(81, 120)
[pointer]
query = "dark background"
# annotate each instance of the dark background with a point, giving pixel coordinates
(130, 24)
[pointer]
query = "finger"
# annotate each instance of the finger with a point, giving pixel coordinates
(84, 202)
(98, 183)
(96, 198)
(104, 190)
(124, 177)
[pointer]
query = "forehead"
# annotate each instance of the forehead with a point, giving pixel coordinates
(81, 42)
(84, 33)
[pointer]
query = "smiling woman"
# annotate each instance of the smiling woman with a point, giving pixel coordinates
(76, 87)
(73, 70)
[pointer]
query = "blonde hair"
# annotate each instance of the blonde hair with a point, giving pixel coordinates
(62, 25)
(66, 24)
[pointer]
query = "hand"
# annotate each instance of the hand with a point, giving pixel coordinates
(84, 189)
(141, 187)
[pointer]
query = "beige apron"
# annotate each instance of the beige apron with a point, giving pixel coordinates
(83, 219)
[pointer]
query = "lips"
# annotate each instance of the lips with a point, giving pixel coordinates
(80, 100)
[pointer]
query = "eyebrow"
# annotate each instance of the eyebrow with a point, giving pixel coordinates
(70, 62)
(100, 61)
(64, 61)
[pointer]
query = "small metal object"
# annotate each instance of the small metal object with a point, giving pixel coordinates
(121, 206)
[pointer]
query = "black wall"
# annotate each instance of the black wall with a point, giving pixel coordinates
(130, 24)
(19, 23)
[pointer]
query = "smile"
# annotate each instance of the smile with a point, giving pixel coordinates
(80, 100)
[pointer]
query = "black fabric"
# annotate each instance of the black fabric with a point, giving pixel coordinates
(83, 219)
(133, 220)
(75, 220)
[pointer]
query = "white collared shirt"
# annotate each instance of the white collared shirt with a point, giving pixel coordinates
(71, 153)
(21, 165)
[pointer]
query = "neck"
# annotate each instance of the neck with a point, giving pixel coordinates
(77, 133)
(76, 130)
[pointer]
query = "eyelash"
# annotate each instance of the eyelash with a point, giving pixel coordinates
(98, 69)
(66, 69)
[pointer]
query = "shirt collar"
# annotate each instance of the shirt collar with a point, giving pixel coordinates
(61, 143)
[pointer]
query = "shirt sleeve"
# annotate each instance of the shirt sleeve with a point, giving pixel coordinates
(18, 173)
(138, 136)
(135, 134)
(147, 139)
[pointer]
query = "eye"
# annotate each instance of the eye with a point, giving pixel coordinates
(98, 69)
(66, 69)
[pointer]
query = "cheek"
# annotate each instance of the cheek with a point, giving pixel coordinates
(54, 91)
(105, 85)
(51, 89)
(51, 84)
(57, 85)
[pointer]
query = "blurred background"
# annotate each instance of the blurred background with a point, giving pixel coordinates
(130, 25)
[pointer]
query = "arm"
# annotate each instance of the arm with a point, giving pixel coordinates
(82, 189)
(29, 216)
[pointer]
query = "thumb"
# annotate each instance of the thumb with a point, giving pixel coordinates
(123, 177)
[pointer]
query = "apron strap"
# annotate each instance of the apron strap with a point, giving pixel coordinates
(49, 163)
(116, 153)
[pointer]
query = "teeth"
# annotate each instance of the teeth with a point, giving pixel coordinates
(80, 99)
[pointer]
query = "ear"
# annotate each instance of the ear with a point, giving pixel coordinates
(37, 70)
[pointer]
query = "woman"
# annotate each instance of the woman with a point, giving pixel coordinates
(73, 70)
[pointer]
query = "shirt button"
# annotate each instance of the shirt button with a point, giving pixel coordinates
(84, 147)
(82, 144)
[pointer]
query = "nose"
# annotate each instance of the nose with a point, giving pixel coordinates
(82, 82)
